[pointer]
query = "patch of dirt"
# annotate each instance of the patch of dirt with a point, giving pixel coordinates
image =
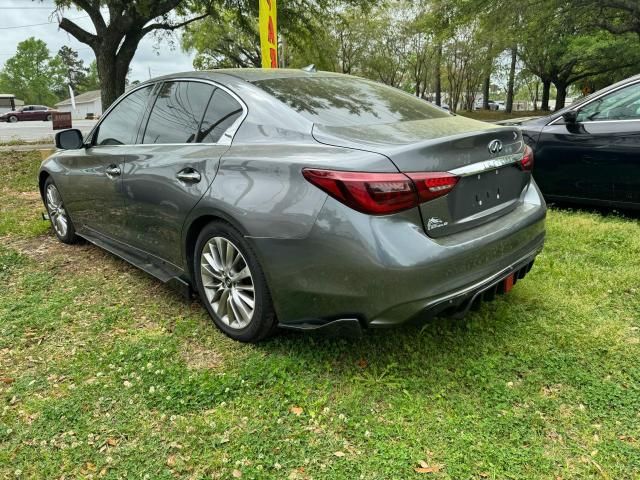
(199, 357)
(82, 257)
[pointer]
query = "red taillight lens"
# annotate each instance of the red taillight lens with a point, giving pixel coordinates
(432, 185)
(526, 162)
(381, 193)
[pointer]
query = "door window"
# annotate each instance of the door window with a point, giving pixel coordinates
(623, 104)
(120, 126)
(177, 112)
(221, 114)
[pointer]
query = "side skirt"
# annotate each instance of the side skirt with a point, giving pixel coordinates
(163, 271)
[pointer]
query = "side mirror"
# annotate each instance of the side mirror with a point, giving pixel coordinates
(570, 117)
(69, 139)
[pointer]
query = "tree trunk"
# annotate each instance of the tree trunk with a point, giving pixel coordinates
(561, 96)
(438, 75)
(546, 88)
(535, 97)
(512, 79)
(485, 92)
(486, 86)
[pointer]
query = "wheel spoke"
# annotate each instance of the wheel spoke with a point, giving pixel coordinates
(244, 311)
(245, 298)
(241, 275)
(220, 248)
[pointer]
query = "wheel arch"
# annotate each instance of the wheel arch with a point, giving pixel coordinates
(42, 178)
(193, 228)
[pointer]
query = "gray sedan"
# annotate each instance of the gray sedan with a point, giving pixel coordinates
(300, 200)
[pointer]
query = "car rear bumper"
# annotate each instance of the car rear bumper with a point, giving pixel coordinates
(382, 271)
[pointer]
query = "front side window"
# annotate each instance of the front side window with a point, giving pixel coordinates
(221, 114)
(120, 126)
(623, 104)
(177, 112)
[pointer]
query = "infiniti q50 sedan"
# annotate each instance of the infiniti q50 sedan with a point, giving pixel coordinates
(301, 200)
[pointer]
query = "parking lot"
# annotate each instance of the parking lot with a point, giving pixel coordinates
(37, 131)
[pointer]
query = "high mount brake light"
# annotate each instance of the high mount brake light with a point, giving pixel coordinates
(526, 162)
(381, 193)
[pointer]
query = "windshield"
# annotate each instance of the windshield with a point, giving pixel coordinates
(348, 101)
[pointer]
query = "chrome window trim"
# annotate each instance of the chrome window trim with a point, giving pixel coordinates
(486, 165)
(554, 122)
(225, 140)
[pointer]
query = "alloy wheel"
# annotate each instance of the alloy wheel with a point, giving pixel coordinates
(228, 283)
(57, 213)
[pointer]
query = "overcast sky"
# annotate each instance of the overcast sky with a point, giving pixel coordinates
(15, 15)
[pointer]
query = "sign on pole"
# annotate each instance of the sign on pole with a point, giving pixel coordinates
(268, 33)
(61, 120)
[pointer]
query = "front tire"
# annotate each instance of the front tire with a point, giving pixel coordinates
(12, 119)
(232, 285)
(60, 221)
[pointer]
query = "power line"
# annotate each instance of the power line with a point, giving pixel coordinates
(39, 24)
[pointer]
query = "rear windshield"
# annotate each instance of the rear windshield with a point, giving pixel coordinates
(348, 101)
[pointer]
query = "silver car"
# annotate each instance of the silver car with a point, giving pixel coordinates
(301, 200)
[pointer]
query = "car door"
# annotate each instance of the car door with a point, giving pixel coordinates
(93, 191)
(176, 162)
(597, 156)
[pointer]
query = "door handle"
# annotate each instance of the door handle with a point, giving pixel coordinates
(188, 175)
(112, 171)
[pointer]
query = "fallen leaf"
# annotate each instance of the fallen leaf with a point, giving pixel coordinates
(297, 411)
(338, 454)
(236, 474)
(7, 380)
(427, 469)
(362, 363)
(171, 460)
(112, 442)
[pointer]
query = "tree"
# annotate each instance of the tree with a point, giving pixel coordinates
(31, 74)
(74, 71)
(91, 80)
(116, 39)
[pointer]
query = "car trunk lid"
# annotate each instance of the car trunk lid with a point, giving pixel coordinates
(484, 156)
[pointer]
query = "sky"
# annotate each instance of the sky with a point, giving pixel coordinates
(15, 15)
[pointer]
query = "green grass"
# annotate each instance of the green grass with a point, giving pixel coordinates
(106, 373)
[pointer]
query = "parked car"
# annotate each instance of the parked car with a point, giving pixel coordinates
(479, 105)
(27, 113)
(589, 151)
(309, 201)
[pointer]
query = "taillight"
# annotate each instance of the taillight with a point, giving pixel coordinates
(432, 185)
(381, 193)
(526, 162)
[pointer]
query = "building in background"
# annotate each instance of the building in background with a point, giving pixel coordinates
(8, 102)
(88, 105)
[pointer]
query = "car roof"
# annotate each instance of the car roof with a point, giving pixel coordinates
(245, 74)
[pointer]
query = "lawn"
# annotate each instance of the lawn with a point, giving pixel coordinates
(107, 373)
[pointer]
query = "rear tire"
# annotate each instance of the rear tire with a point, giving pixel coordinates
(231, 284)
(48, 119)
(60, 221)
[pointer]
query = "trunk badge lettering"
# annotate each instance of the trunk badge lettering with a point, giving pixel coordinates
(495, 146)
(435, 222)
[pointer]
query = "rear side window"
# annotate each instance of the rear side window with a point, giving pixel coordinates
(348, 101)
(120, 126)
(221, 114)
(177, 112)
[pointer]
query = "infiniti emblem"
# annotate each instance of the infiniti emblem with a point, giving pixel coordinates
(495, 146)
